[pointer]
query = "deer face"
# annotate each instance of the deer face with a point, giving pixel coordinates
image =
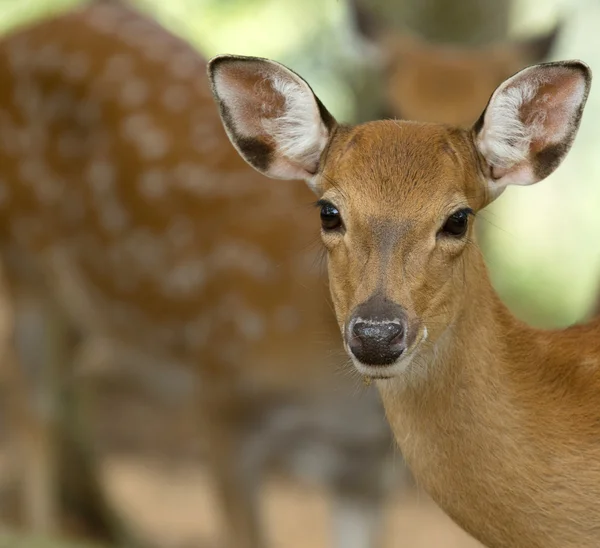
(397, 199)
(396, 223)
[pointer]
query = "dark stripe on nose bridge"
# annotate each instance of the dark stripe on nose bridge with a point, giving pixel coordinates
(387, 235)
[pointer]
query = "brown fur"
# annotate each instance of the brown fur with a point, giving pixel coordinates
(496, 420)
(499, 422)
(256, 330)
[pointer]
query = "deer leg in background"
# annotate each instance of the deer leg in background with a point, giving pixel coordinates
(83, 498)
(357, 520)
(359, 490)
(60, 481)
(33, 412)
(236, 486)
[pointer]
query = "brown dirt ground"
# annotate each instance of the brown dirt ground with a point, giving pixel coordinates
(175, 508)
(160, 484)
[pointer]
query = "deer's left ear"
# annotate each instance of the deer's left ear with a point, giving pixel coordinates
(531, 121)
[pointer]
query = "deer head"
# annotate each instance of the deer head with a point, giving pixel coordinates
(398, 199)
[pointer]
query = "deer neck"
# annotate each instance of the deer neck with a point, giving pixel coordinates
(499, 420)
(459, 420)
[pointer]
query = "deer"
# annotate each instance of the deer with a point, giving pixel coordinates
(130, 226)
(441, 82)
(498, 421)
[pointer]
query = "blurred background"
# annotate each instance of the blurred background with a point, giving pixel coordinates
(366, 59)
(541, 242)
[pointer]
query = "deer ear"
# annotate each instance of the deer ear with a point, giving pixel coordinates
(271, 116)
(531, 121)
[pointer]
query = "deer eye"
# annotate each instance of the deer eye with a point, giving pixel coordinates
(456, 225)
(330, 217)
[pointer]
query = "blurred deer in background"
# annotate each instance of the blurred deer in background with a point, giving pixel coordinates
(129, 222)
(442, 82)
(499, 421)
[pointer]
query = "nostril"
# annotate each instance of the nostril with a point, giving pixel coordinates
(395, 332)
(380, 332)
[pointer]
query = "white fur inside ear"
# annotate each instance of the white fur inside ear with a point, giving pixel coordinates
(504, 139)
(299, 132)
(520, 113)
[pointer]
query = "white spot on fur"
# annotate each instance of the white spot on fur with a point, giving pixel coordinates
(113, 217)
(153, 184)
(185, 278)
(101, 176)
(154, 144)
(191, 176)
(134, 93)
(49, 57)
(250, 323)
(151, 142)
(119, 67)
(176, 98)
(233, 255)
(134, 125)
(77, 66)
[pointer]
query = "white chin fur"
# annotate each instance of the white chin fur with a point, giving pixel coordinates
(375, 371)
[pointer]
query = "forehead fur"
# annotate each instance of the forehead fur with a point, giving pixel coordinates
(394, 162)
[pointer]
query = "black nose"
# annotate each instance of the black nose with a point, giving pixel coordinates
(377, 332)
(376, 342)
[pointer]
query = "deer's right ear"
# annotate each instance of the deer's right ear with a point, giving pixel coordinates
(271, 116)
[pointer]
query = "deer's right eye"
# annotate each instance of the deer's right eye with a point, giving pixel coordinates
(330, 217)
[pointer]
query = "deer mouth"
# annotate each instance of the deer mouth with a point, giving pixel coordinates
(389, 370)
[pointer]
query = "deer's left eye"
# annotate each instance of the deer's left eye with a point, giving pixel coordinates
(456, 225)
(330, 217)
